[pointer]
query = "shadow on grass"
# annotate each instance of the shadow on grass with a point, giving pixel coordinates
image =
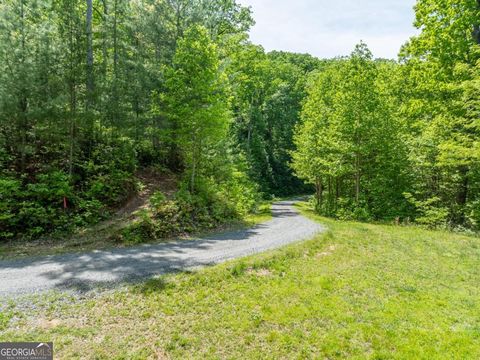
(151, 286)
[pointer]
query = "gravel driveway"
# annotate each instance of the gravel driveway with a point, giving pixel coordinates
(86, 270)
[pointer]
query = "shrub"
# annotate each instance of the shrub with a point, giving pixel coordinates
(428, 213)
(211, 205)
(9, 193)
(170, 219)
(140, 231)
(348, 209)
(157, 199)
(89, 212)
(473, 214)
(111, 189)
(51, 187)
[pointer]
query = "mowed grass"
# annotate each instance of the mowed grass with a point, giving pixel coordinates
(357, 291)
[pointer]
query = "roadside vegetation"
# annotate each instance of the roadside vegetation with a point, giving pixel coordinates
(140, 225)
(359, 290)
(399, 141)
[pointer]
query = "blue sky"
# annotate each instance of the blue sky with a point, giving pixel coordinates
(328, 28)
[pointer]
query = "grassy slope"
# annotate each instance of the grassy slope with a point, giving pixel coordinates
(361, 291)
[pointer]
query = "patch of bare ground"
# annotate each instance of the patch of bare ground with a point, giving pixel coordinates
(151, 181)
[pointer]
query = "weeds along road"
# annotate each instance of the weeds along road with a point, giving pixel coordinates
(84, 271)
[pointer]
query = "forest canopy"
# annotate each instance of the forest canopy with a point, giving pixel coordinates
(399, 140)
(94, 91)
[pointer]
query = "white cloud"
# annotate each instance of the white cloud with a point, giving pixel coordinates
(328, 28)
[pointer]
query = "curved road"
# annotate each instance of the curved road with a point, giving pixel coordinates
(83, 271)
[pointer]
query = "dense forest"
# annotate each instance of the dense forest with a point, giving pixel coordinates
(400, 140)
(94, 91)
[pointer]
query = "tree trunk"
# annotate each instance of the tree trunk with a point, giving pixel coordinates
(73, 95)
(337, 188)
(90, 86)
(90, 79)
(115, 97)
(192, 177)
(476, 27)
(357, 178)
(115, 45)
(319, 192)
(23, 101)
(338, 191)
(462, 195)
(104, 42)
(330, 194)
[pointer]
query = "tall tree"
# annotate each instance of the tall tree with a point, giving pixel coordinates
(439, 61)
(196, 100)
(90, 75)
(348, 143)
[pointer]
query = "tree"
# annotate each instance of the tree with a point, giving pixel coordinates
(318, 155)
(78, 104)
(348, 143)
(441, 62)
(196, 100)
(268, 91)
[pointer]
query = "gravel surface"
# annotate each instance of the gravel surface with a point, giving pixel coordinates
(84, 271)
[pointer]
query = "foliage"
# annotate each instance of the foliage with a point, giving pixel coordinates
(212, 204)
(37, 207)
(196, 101)
(428, 212)
(347, 144)
(267, 93)
(372, 130)
(81, 111)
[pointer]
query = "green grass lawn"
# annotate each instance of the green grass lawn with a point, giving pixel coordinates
(357, 291)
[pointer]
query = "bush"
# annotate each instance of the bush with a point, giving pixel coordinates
(51, 188)
(108, 175)
(157, 199)
(211, 205)
(346, 209)
(35, 208)
(241, 193)
(9, 193)
(428, 213)
(111, 189)
(43, 207)
(140, 231)
(170, 219)
(473, 214)
(89, 212)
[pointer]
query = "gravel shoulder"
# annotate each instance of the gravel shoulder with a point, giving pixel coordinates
(81, 272)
